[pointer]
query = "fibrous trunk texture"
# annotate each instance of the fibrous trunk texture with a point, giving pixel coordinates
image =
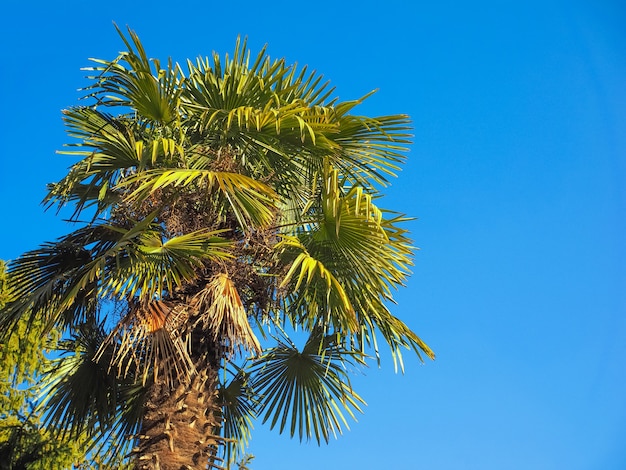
(179, 426)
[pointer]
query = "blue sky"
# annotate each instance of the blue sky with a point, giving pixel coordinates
(516, 177)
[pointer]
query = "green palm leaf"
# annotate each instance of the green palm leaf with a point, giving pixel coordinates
(133, 80)
(251, 201)
(306, 392)
(145, 265)
(41, 279)
(315, 290)
(84, 396)
(362, 255)
(238, 411)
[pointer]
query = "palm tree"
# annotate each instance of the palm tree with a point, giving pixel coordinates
(234, 200)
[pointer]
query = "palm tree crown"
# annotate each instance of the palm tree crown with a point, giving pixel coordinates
(216, 210)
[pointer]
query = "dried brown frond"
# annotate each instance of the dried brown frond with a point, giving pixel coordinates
(223, 314)
(151, 337)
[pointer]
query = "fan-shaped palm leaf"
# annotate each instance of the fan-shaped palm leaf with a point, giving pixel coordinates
(40, 280)
(315, 290)
(363, 255)
(83, 396)
(307, 391)
(147, 266)
(134, 81)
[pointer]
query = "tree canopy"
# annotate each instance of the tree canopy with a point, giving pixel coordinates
(215, 211)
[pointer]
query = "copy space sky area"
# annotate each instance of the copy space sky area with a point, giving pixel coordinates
(516, 179)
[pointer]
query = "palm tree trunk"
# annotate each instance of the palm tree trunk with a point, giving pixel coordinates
(179, 426)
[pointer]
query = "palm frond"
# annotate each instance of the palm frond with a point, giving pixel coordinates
(111, 148)
(307, 392)
(147, 266)
(363, 254)
(151, 341)
(238, 412)
(372, 149)
(40, 281)
(224, 316)
(315, 290)
(83, 396)
(133, 80)
(251, 201)
(63, 281)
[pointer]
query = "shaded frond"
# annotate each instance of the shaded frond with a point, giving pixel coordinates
(83, 396)
(372, 149)
(48, 284)
(238, 412)
(306, 392)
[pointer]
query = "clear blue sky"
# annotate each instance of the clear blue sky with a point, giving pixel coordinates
(517, 177)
